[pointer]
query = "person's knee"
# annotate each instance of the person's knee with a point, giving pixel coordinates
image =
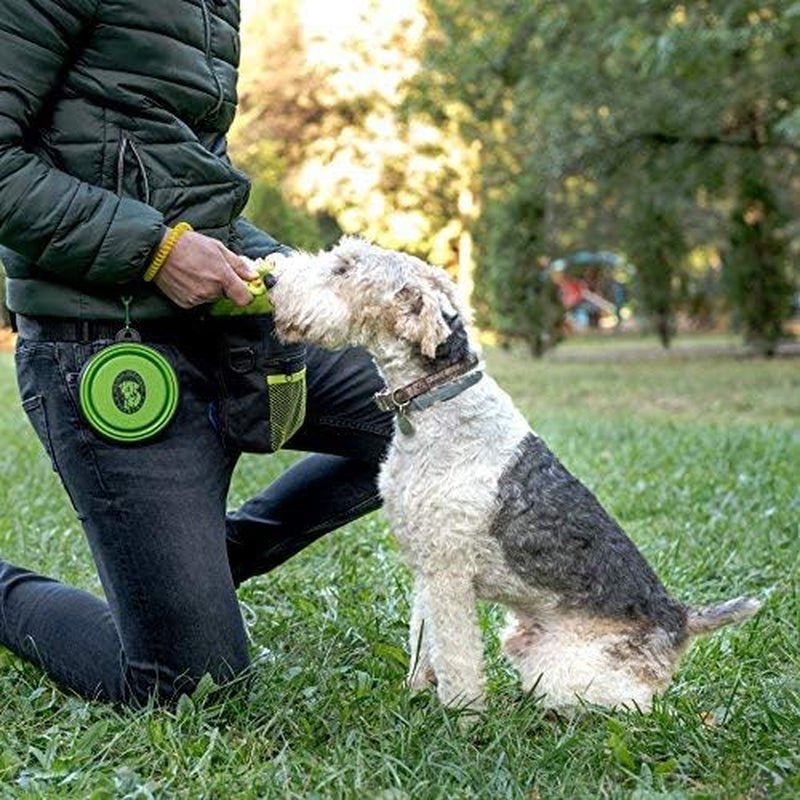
(164, 684)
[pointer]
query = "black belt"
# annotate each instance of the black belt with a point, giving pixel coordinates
(63, 329)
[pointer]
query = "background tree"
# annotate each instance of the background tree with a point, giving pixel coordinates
(279, 101)
(626, 107)
(756, 268)
(518, 297)
(657, 246)
(321, 114)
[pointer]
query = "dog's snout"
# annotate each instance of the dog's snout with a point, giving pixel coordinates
(270, 280)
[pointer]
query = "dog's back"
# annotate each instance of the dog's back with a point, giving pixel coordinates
(612, 634)
(555, 535)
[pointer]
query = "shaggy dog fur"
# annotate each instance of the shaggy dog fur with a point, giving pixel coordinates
(483, 510)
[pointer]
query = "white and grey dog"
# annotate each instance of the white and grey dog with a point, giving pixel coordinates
(481, 507)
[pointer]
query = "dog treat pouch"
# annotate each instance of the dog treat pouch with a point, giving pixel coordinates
(263, 400)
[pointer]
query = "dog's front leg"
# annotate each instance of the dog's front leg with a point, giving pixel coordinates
(420, 671)
(456, 645)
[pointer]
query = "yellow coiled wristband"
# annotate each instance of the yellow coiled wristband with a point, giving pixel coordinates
(165, 249)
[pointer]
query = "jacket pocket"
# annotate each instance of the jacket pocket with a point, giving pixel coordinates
(132, 179)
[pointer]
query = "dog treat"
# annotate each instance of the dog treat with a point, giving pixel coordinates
(260, 304)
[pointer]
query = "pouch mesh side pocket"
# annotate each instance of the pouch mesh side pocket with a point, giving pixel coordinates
(287, 405)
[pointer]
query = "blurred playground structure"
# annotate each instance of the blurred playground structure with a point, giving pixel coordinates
(594, 288)
(598, 292)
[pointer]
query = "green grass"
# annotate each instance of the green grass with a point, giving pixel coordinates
(698, 459)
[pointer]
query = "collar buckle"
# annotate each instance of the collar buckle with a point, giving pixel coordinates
(389, 400)
(434, 388)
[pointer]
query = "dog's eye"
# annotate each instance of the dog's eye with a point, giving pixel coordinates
(343, 266)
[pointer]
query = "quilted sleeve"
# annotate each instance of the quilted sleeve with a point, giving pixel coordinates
(68, 227)
(254, 243)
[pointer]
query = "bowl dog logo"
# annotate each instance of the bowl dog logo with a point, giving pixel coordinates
(128, 391)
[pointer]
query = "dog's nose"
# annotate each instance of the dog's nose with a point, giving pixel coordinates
(270, 280)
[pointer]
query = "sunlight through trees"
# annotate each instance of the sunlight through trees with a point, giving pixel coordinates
(497, 138)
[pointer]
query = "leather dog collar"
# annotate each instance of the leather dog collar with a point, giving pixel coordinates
(424, 392)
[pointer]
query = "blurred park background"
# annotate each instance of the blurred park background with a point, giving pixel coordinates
(580, 167)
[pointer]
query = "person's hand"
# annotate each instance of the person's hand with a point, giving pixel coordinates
(200, 269)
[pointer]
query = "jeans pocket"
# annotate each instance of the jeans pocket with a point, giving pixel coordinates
(35, 409)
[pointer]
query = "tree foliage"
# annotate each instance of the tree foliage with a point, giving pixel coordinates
(638, 119)
(519, 299)
(321, 113)
(538, 129)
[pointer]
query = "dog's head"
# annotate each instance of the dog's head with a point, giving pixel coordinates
(361, 294)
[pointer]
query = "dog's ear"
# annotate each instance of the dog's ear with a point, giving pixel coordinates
(419, 318)
(452, 303)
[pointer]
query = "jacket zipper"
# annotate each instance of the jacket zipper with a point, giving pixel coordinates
(210, 57)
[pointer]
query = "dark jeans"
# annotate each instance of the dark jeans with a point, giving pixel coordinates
(154, 515)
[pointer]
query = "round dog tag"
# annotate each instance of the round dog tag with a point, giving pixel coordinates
(128, 392)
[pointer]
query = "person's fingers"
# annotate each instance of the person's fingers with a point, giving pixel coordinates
(200, 269)
(243, 267)
(234, 288)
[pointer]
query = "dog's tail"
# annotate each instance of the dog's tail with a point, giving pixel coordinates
(708, 618)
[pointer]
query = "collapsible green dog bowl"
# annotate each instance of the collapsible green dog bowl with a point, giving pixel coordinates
(128, 392)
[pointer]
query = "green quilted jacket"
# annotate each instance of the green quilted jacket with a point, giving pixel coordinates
(113, 115)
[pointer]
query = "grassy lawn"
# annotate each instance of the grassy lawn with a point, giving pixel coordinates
(699, 460)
